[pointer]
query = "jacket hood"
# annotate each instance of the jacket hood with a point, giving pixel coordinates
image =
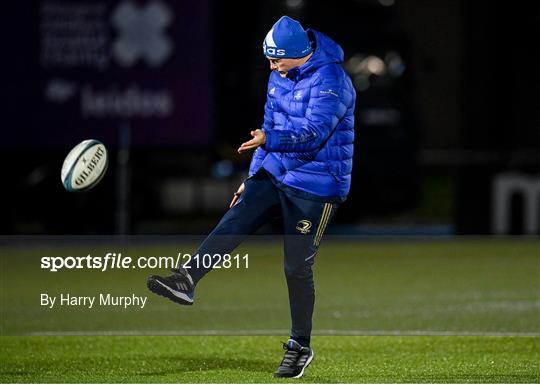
(326, 51)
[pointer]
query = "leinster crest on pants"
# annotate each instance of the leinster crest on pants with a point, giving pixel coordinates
(304, 226)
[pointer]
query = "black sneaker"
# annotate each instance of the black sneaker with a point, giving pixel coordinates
(296, 360)
(178, 287)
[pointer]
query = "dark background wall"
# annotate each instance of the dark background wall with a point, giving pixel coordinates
(447, 101)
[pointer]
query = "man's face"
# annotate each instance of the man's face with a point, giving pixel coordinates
(283, 65)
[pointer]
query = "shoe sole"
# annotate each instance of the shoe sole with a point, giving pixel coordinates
(306, 365)
(159, 288)
(304, 368)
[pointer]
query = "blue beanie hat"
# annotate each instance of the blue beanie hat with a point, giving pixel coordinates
(287, 39)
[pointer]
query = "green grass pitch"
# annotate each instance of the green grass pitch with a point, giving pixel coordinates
(461, 311)
(221, 359)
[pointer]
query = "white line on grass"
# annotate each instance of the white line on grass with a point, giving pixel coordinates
(273, 332)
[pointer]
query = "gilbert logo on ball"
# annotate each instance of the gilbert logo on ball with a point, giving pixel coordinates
(84, 166)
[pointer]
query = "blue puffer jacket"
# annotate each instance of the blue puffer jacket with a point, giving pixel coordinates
(309, 125)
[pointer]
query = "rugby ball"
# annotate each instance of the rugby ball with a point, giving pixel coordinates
(84, 166)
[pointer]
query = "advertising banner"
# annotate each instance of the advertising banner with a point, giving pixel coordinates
(104, 65)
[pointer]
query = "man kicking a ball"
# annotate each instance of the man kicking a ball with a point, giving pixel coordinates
(301, 170)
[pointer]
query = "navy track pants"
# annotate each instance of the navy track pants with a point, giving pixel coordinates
(304, 222)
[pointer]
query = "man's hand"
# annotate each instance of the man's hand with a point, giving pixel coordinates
(237, 195)
(259, 138)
